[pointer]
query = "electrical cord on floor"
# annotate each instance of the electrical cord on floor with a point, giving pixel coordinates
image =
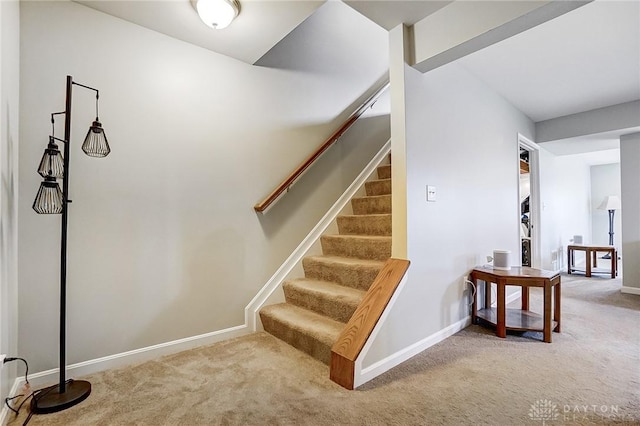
(8, 400)
(28, 418)
(17, 411)
(40, 393)
(20, 406)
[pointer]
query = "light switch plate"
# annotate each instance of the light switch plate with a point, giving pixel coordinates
(431, 193)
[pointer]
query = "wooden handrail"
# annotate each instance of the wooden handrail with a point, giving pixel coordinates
(264, 205)
(354, 336)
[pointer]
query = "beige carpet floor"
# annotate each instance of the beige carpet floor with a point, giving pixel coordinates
(590, 374)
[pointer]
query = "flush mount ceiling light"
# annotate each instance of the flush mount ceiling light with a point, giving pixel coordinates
(217, 14)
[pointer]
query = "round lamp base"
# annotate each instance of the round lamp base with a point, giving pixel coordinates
(52, 400)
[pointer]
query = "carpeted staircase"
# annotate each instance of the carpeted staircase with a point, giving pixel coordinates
(319, 305)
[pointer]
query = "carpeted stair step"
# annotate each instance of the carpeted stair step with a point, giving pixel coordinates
(371, 224)
(375, 247)
(305, 330)
(351, 272)
(378, 187)
(371, 205)
(329, 299)
(384, 172)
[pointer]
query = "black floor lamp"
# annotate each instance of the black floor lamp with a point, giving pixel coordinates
(610, 203)
(51, 200)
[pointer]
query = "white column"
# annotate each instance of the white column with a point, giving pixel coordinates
(630, 186)
(399, 55)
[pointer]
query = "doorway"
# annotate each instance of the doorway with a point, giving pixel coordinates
(528, 203)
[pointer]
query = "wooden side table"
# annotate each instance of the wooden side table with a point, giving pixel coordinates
(591, 255)
(518, 319)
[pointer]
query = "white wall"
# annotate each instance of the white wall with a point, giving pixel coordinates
(605, 180)
(163, 239)
(463, 138)
(630, 190)
(9, 113)
(565, 197)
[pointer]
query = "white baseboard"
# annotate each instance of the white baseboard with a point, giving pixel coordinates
(125, 358)
(358, 377)
(363, 375)
(376, 369)
(631, 290)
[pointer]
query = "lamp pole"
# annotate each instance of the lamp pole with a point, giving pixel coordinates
(611, 213)
(63, 238)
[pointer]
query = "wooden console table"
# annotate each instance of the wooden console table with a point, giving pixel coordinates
(518, 319)
(591, 255)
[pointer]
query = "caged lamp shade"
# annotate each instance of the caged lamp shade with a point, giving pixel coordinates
(95, 143)
(52, 164)
(49, 199)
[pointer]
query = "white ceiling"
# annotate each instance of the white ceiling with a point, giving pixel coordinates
(259, 26)
(593, 149)
(586, 59)
(391, 13)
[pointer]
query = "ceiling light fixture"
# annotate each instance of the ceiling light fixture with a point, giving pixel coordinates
(217, 14)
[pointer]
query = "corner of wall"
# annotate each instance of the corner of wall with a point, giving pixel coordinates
(9, 123)
(629, 183)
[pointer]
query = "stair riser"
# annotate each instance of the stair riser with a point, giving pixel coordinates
(384, 172)
(359, 277)
(359, 248)
(334, 307)
(296, 338)
(365, 225)
(378, 187)
(371, 205)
